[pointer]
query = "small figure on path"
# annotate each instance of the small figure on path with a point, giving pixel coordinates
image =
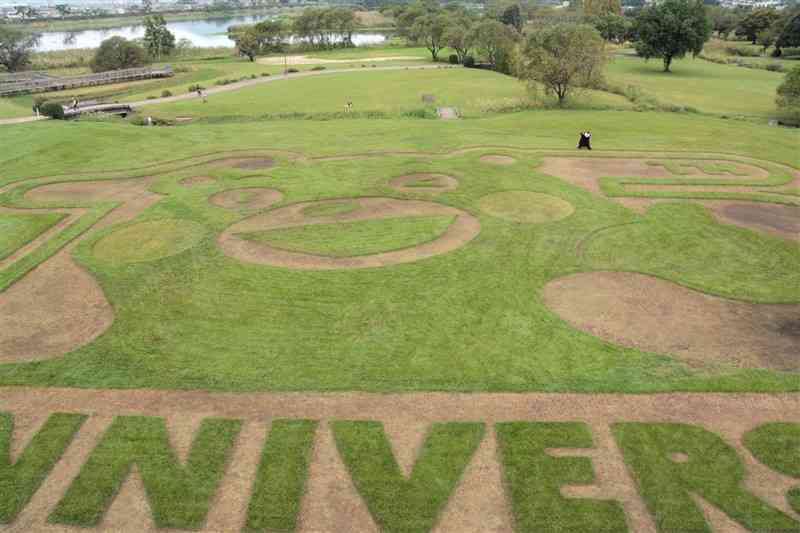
(36, 108)
(74, 103)
(201, 94)
(585, 140)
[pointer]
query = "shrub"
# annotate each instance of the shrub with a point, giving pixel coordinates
(118, 53)
(196, 87)
(292, 71)
(165, 93)
(52, 110)
(253, 76)
(774, 67)
(742, 52)
(453, 59)
(265, 74)
(318, 67)
(469, 62)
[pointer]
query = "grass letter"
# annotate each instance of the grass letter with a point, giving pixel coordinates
(178, 495)
(398, 504)
(672, 462)
(21, 479)
(535, 479)
(281, 478)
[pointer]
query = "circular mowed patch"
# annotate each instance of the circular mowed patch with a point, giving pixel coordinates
(246, 198)
(495, 159)
(526, 207)
(148, 241)
(355, 233)
(424, 182)
(654, 315)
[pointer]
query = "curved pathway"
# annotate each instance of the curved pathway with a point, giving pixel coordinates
(240, 85)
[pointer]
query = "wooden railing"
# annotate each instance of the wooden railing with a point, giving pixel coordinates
(101, 78)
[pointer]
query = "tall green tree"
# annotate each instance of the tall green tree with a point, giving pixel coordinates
(495, 42)
(158, 40)
(613, 28)
(458, 37)
(756, 22)
(118, 53)
(563, 58)
(599, 8)
(429, 31)
(512, 16)
(16, 47)
(789, 34)
(671, 29)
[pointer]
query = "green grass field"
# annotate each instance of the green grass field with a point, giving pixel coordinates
(705, 86)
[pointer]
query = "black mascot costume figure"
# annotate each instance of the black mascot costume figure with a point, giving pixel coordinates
(585, 140)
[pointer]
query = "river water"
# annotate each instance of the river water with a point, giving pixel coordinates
(202, 33)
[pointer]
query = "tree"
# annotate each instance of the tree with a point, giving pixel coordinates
(671, 29)
(247, 43)
(429, 30)
(512, 16)
(271, 36)
(723, 20)
(458, 37)
(147, 6)
(494, 40)
(613, 28)
(158, 40)
(16, 48)
(789, 34)
(563, 57)
(599, 8)
(117, 53)
(767, 38)
(63, 9)
(756, 22)
(788, 96)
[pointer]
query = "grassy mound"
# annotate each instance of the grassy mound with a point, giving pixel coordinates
(527, 207)
(349, 239)
(148, 241)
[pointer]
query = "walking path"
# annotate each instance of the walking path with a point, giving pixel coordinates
(236, 86)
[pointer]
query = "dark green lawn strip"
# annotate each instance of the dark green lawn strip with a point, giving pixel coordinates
(349, 239)
(281, 477)
(18, 229)
(672, 462)
(777, 445)
(20, 480)
(534, 479)
(398, 504)
(179, 495)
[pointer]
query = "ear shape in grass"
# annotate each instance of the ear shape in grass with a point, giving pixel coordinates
(777, 445)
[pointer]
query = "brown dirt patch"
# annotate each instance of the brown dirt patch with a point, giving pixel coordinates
(494, 159)
(331, 503)
(247, 198)
(53, 310)
(783, 220)
(585, 171)
(58, 306)
(463, 229)
(659, 316)
(425, 183)
(246, 163)
(196, 180)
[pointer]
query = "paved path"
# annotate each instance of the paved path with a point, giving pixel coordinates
(240, 85)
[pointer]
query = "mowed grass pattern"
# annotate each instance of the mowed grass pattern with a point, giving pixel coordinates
(348, 239)
(148, 241)
(16, 230)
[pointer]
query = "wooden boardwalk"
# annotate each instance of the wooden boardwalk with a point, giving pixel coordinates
(17, 84)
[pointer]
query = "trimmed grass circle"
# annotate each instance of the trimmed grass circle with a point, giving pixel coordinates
(148, 241)
(526, 207)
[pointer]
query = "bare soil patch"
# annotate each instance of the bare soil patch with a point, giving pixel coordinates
(424, 182)
(331, 503)
(503, 160)
(246, 163)
(464, 228)
(53, 310)
(783, 220)
(246, 198)
(651, 314)
(196, 180)
(58, 306)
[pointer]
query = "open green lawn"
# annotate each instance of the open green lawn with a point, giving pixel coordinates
(706, 86)
(474, 92)
(201, 319)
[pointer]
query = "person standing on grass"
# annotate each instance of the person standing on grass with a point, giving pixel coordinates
(74, 103)
(585, 140)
